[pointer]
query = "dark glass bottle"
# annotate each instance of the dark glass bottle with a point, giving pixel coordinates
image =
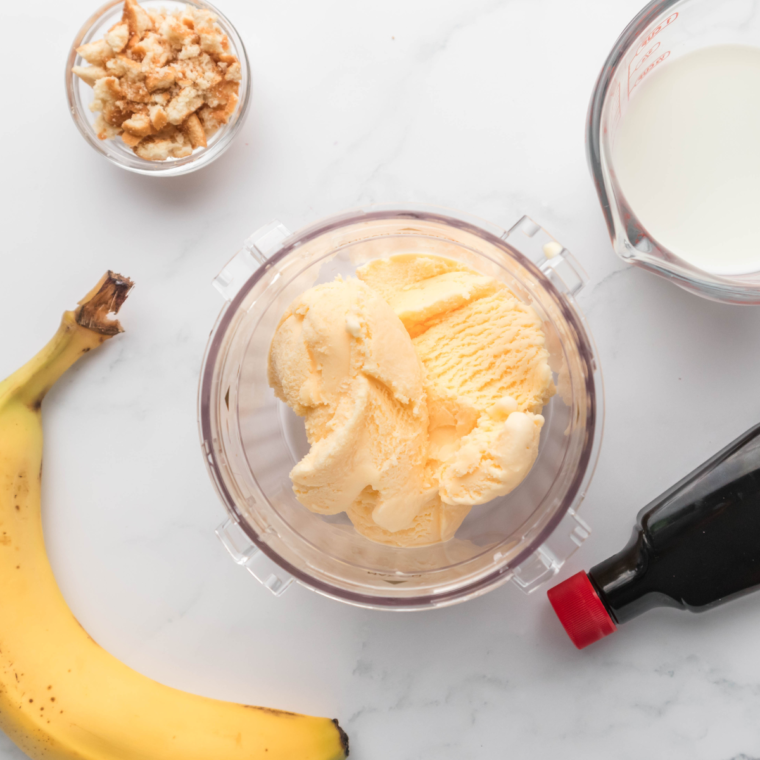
(694, 547)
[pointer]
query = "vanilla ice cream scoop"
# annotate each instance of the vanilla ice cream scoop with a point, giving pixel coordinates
(492, 460)
(342, 359)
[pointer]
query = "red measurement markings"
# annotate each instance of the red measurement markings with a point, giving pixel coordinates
(636, 63)
(668, 21)
(654, 64)
(643, 60)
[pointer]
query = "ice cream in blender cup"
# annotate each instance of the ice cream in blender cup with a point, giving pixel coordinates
(421, 385)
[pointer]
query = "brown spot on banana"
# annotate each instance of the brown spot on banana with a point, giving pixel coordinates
(343, 737)
(271, 711)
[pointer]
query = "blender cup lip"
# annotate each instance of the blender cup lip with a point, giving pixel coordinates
(723, 288)
(593, 387)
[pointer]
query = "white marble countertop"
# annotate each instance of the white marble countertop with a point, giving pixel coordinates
(478, 105)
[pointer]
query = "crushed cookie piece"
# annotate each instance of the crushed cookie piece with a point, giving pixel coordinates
(136, 18)
(96, 53)
(107, 92)
(160, 79)
(90, 74)
(158, 117)
(176, 33)
(169, 143)
(104, 130)
(193, 128)
(234, 73)
(162, 98)
(163, 81)
(138, 125)
(189, 51)
(130, 139)
(186, 102)
(124, 67)
(118, 37)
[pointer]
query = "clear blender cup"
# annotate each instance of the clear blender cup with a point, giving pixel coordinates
(251, 440)
(661, 33)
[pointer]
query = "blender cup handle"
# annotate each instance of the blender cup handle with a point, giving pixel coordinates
(249, 556)
(551, 257)
(568, 276)
(257, 249)
(548, 560)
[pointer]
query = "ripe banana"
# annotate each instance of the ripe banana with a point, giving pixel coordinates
(62, 697)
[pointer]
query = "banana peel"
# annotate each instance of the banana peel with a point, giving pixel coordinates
(62, 696)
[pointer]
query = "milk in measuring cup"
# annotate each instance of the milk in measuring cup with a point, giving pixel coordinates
(687, 157)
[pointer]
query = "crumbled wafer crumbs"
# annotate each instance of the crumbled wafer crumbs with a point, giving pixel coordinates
(164, 82)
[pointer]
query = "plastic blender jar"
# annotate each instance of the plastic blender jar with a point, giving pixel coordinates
(251, 440)
(662, 32)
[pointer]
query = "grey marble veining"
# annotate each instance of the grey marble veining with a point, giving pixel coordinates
(478, 106)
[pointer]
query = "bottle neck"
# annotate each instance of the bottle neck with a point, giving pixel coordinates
(623, 584)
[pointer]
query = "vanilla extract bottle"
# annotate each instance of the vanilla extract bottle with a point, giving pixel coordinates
(693, 548)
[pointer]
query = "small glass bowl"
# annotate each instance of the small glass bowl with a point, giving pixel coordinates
(80, 95)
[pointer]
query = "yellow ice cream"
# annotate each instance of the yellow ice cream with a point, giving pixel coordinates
(493, 459)
(487, 373)
(436, 522)
(341, 358)
(421, 387)
(477, 341)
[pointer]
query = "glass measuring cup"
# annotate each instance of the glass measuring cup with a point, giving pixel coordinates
(251, 440)
(662, 32)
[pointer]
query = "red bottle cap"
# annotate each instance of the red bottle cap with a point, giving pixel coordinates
(581, 611)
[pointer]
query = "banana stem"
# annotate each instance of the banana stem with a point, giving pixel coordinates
(81, 330)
